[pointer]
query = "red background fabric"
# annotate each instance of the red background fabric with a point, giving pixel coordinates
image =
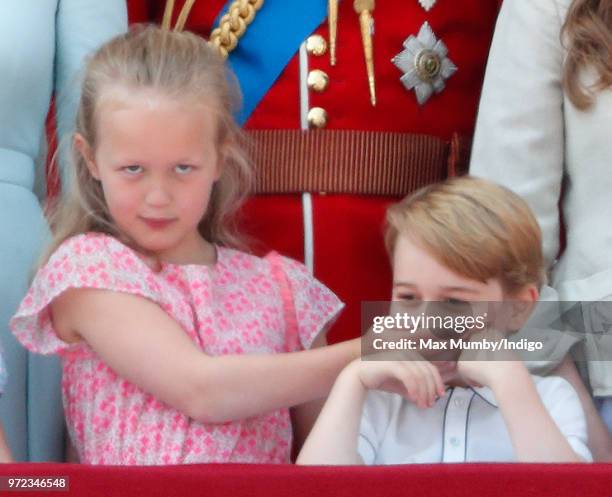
(452, 480)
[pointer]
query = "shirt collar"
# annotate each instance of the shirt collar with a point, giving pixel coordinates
(486, 394)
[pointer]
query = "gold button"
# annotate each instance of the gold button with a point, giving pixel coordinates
(317, 80)
(317, 117)
(316, 45)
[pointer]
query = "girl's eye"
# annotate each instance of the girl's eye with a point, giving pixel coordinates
(409, 297)
(133, 169)
(184, 168)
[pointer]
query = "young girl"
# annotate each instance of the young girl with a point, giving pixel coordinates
(173, 344)
(461, 241)
(5, 452)
(543, 130)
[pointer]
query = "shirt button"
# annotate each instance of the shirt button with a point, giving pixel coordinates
(458, 402)
(455, 442)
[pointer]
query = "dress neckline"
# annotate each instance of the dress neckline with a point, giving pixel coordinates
(219, 255)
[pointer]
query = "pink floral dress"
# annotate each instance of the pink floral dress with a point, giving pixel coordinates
(241, 305)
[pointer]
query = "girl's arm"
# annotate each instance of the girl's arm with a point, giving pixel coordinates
(600, 440)
(534, 434)
(146, 346)
(5, 452)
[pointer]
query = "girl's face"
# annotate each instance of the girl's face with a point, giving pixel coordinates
(157, 159)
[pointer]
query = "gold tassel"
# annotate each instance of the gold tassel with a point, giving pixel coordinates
(182, 18)
(332, 20)
(167, 19)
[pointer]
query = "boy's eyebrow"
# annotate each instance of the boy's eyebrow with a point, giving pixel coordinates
(459, 289)
(444, 288)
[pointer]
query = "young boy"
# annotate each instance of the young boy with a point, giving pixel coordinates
(464, 240)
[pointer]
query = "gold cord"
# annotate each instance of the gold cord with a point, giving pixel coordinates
(233, 25)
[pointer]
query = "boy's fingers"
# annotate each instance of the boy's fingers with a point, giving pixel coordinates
(430, 382)
(439, 384)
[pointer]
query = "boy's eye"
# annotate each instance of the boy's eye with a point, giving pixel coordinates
(407, 297)
(454, 301)
(183, 168)
(133, 169)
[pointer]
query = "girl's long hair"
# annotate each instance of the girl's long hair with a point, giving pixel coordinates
(179, 65)
(587, 36)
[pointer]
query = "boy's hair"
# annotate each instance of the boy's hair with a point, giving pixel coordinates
(476, 228)
(179, 65)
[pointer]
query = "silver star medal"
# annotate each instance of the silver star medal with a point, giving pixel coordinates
(425, 64)
(427, 4)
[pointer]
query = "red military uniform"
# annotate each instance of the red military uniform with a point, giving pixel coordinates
(338, 228)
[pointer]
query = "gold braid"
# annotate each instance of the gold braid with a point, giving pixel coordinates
(231, 26)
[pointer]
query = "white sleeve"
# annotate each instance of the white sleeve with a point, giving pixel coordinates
(519, 137)
(374, 422)
(563, 405)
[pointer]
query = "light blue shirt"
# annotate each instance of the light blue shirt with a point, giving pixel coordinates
(41, 53)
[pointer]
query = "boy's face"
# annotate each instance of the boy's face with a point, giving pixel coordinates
(417, 276)
(423, 285)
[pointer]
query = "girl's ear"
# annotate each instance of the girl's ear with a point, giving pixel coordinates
(80, 143)
(222, 154)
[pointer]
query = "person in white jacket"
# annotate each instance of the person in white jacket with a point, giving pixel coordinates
(543, 130)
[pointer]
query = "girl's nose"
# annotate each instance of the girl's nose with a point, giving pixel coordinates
(158, 195)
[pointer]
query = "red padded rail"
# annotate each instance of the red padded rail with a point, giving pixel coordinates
(239, 480)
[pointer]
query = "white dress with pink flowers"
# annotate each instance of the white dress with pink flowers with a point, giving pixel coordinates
(241, 305)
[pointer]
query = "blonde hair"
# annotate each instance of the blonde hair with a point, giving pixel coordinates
(179, 65)
(587, 36)
(476, 228)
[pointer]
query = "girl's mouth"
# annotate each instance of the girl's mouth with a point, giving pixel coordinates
(157, 224)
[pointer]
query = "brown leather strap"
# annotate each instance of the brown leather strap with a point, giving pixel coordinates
(347, 161)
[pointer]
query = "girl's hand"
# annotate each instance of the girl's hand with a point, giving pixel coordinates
(416, 379)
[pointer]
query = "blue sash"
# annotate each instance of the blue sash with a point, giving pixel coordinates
(268, 45)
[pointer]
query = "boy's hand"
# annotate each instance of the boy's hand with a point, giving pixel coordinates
(487, 373)
(413, 378)
(487, 368)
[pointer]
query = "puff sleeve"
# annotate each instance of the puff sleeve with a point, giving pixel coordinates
(315, 306)
(91, 260)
